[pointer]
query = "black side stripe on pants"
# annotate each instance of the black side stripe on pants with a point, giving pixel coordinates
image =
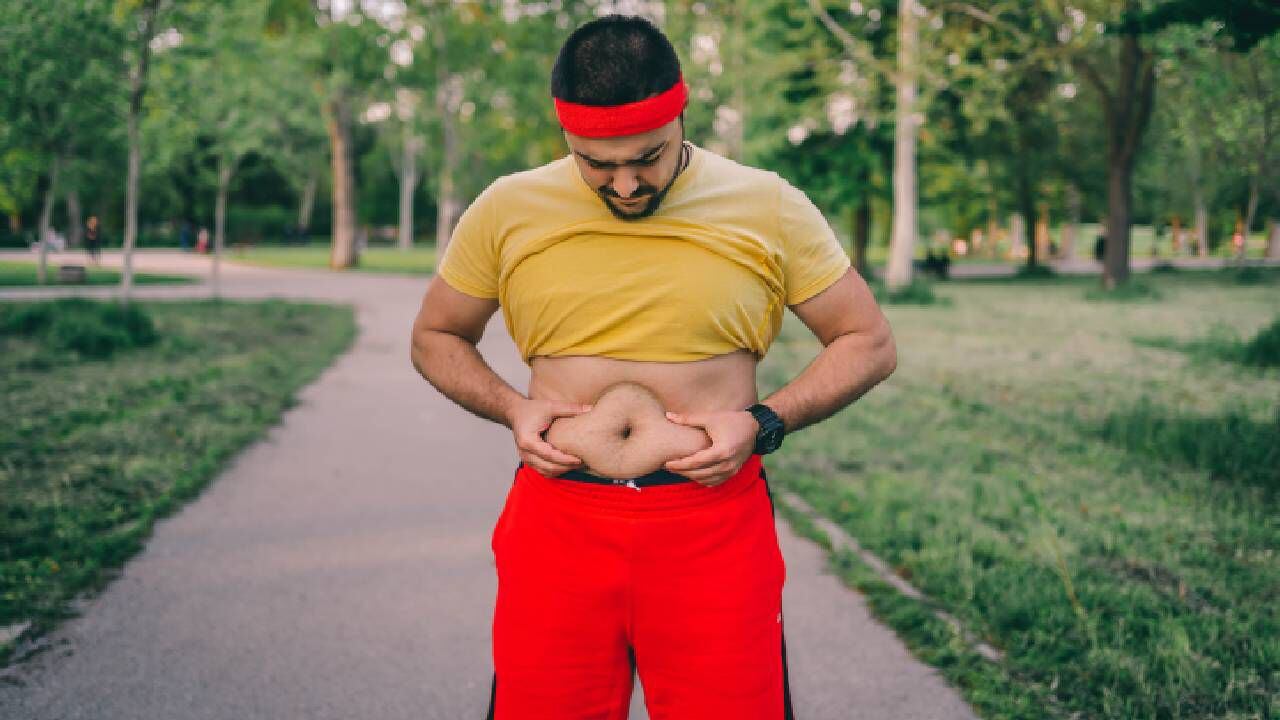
(493, 695)
(787, 712)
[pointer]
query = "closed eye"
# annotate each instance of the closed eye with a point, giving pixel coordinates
(608, 166)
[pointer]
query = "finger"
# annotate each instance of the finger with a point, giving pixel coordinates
(709, 474)
(691, 419)
(543, 467)
(545, 451)
(569, 410)
(697, 461)
(549, 453)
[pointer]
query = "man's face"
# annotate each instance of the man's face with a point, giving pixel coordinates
(631, 173)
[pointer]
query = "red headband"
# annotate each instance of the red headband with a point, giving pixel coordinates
(632, 118)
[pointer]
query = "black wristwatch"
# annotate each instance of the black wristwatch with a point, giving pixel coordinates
(771, 429)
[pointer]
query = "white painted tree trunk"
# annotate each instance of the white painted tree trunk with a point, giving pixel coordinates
(1273, 240)
(46, 221)
(225, 169)
(902, 245)
(408, 183)
(306, 203)
(447, 205)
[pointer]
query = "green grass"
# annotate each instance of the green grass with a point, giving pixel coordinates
(1101, 508)
(93, 452)
(1141, 239)
(21, 273)
(418, 261)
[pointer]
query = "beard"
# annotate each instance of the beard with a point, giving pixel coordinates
(654, 195)
(638, 210)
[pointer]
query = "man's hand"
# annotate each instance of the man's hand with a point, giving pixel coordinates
(529, 419)
(733, 437)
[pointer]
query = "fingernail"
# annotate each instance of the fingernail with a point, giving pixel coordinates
(671, 416)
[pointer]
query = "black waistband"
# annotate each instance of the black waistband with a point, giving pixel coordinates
(657, 477)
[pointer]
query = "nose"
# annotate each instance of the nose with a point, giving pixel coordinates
(624, 183)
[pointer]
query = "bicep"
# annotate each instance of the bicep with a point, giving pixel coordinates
(447, 310)
(846, 306)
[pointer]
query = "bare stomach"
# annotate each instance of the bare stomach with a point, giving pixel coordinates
(626, 434)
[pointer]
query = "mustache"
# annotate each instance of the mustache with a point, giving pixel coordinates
(642, 191)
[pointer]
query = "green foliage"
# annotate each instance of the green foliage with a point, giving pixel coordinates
(1230, 447)
(1264, 349)
(93, 330)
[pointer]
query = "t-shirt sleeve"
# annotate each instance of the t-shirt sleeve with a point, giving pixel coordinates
(812, 257)
(470, 262)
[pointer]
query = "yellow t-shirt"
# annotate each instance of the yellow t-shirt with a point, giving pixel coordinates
(708, 273)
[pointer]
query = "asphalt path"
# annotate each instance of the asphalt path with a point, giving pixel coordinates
(340, 567)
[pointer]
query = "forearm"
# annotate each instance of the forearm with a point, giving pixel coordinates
(842, 372)
(455, 367)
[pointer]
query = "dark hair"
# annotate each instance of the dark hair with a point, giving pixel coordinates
(613, 60)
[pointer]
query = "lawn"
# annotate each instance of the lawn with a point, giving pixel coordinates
(21, 273)
(421, 260)
(1080, 482)
(113, 422)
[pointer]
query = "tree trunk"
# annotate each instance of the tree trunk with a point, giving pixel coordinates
(46, 217)
(1026, 201)
(902, 248)
(446, 193)
(1040, 247)
(993, 224)
(75, 225)
(338, 121)
(1251, 207)
(1017, 235)
(1273, 240)
(306, 203)
(408, 182)
(137, 89)
(225, 169)
(862, 237)
(1067, 248)
(1202, 225)
(1127, 111)
(1115, 258)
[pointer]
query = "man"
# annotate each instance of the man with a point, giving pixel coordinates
(642, 278)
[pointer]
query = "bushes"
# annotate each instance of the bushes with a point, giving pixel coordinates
(90, 329)
(1264, 349)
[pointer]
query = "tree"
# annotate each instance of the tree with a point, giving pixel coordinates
(59, 87)
(141, 21)
(227, 75)
(337, 42)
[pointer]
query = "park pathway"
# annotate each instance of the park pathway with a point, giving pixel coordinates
(340, 567)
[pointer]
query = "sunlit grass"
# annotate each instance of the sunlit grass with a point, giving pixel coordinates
(418, 261)
(1100, 506)
(16, 273)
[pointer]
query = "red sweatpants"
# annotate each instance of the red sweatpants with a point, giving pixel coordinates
(680, 583)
